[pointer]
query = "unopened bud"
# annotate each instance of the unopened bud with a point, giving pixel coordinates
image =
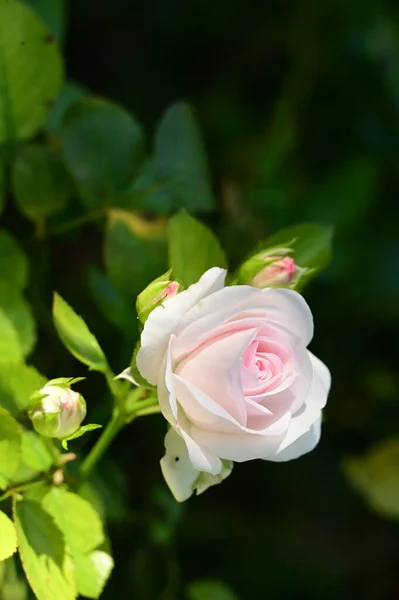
(59, 411)
(158, 291)
(278, 272)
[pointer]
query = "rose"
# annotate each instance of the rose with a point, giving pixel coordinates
(234, 378)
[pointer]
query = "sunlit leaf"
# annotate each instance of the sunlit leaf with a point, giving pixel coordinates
(10, 447)
(31, 71)
(193, 249)
(83, 531)
(35, 452)
(17, 384)
(8, 537)
(43, 552)
(135, 252)
(76, 336)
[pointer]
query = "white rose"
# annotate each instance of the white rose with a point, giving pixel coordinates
(235, 379)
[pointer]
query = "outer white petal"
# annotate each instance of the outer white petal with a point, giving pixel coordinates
(177, 468)
(181, 476)
(166, 388)
(164, 320)
(200, 458)
(238, 447)
(316, 399)
(304, 444)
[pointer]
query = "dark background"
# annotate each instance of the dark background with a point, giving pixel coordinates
(294, 530)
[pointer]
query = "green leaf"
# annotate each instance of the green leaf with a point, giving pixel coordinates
(111, 303)
(375, 475)
(8, 537)
(35, 453)
(10, 345)
(13, 262)
(69, 94)
(193, 249)
(10, 447)
(40, 184)
(148, 193)
(77, 337)
(53, 14)
(103, 147)
(17, 384)
(43, 553)
(31, 72)
(83, 531)
(180, 159)
(20, 315)
(311, 244)
(12, 586)
(209, 589)
(134, 252)
(92, 572)
(79, 433)
(76, 518)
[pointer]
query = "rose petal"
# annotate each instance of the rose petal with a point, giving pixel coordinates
(216, 370)
(303, 420)
(180, 474)
(285, 310)
(177, 468)
(164, 320)
(304, 444)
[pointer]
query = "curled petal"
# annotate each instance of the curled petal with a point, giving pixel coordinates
(181, 476)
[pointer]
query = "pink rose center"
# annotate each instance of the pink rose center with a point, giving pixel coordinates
(265, 365)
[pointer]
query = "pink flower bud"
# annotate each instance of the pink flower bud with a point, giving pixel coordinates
(169, 292)
(278, 272)
(158, 291)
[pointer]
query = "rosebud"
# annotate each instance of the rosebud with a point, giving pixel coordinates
(158, 291)
(278, 272)
(59, 411)
(274, 267)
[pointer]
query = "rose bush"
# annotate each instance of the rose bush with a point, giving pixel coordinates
(234, 378)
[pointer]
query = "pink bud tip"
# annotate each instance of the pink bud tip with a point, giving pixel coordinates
(169, 292)
(278, 273)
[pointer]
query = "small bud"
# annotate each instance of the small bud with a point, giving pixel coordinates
(272, 267)
(278, 272)
(59, 412)
(158, 291)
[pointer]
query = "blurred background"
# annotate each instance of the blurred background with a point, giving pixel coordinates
(298, 105)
